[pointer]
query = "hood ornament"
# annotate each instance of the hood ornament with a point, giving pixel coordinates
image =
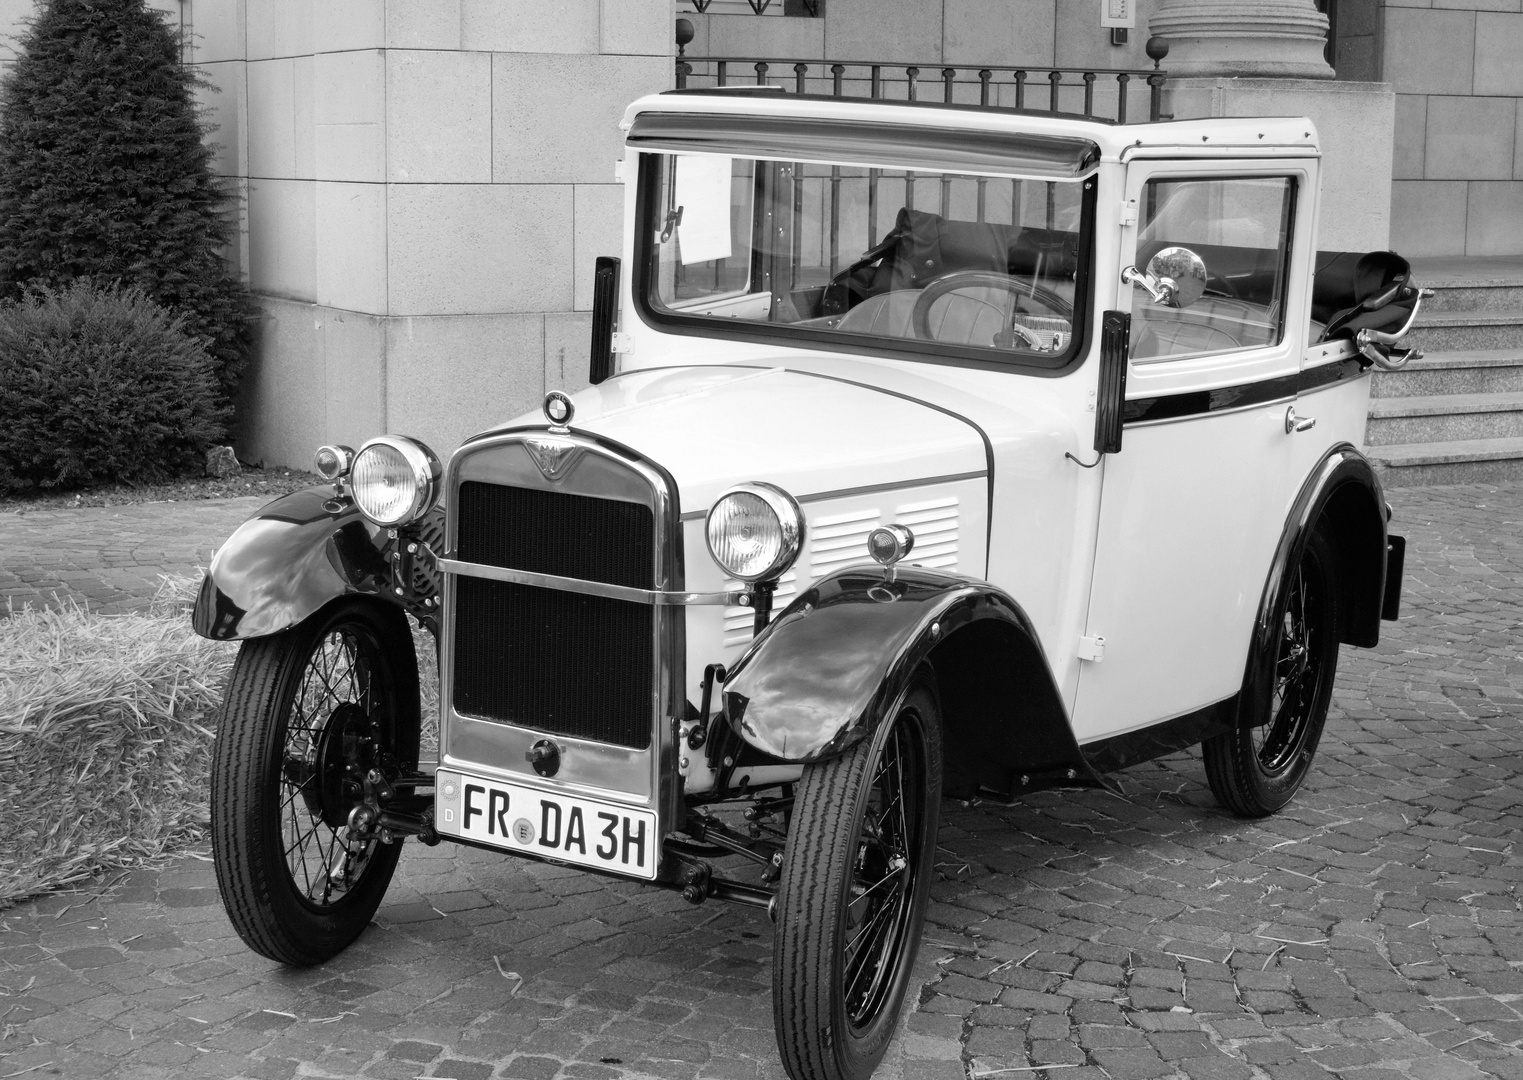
(553, 456)
(559, 409)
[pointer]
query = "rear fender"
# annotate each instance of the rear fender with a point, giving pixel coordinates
(289, 559)
(1342, 495)
(830, 667)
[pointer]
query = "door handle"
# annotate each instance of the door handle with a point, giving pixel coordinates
(1294, 423)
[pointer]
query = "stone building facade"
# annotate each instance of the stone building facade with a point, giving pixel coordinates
(426, 183)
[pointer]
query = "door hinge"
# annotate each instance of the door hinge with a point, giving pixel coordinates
(623, 344)
(1128, 213)
(1092, 648)
(618, 171)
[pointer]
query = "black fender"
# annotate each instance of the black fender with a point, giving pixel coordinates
(830, 668)
(289, 559)
(1343, 493)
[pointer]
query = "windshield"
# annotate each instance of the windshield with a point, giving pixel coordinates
(948, 265)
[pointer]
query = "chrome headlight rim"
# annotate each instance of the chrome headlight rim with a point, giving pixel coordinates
(423, 468)
(790, 522)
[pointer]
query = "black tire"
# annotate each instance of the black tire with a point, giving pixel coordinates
(1258, 768)
(306, 713)
(835, 1007)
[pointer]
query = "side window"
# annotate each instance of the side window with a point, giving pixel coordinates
(1240, 227)
(705, 254)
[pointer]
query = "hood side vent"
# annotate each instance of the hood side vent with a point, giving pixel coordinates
(934, 523)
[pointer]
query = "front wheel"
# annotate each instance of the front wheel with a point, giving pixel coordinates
(1255, 770)
(307, 714)
(853, 894)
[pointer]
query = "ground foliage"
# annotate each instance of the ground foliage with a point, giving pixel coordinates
(105, 171)
(106, 725)
(267, 484)
(100, 386)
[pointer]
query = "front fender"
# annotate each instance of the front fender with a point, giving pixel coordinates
(289, 559)
(828, 669)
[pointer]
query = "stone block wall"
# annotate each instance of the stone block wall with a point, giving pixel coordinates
(1458, 167)
(1354, 126)
(426, 184)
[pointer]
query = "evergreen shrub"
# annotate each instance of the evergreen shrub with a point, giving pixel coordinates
(101, 385)
(105, 171)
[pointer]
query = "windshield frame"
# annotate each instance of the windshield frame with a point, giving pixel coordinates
(649, 215)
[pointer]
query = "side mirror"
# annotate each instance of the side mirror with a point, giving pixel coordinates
(605, 310)
(1176, 277)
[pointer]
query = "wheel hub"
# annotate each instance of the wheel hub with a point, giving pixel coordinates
(345, 751)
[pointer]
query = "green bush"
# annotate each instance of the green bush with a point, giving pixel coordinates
(101, 385)
(105, 171)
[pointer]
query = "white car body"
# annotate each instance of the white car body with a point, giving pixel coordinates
(1058, 477)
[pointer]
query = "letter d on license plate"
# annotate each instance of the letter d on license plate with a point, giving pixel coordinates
(584, 832)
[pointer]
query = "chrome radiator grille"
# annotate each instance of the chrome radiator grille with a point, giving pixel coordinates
(548, 659)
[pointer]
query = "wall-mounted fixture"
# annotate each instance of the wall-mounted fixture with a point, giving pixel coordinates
(1120, 16)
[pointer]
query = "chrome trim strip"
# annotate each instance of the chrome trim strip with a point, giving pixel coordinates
(1187, 417)
(590, 588)
(868, 489)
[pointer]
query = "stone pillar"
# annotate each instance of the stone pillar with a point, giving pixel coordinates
(1243, 38)
(1265, 58)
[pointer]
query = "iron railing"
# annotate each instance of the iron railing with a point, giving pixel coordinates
(811, 7)
(1067, 90)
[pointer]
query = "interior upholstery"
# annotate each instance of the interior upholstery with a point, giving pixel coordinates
(965, 317)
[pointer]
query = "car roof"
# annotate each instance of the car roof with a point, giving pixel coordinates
(1219, 136)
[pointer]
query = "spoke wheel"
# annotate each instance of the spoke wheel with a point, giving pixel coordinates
(853, 894)
(1257, 769)
(307, 713)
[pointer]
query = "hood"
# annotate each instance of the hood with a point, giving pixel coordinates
(712, 427)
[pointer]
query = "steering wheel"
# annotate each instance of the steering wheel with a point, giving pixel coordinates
(958, 280)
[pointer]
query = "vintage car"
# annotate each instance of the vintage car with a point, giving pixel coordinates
(930, 451)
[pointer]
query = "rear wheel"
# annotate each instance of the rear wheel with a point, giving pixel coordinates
(853, 894)
(307, 713)
(1256, 770)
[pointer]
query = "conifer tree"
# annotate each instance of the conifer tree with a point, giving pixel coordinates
(105, 172)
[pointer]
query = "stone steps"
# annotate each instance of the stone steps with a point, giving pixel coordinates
(1435, 418)
(1464, 296)
(1456, 415)
(1468, 371)
(1498, 329)
(1466, 461)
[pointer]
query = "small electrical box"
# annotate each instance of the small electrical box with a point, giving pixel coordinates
(1119, 16)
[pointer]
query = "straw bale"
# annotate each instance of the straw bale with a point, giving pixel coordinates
(105, 737)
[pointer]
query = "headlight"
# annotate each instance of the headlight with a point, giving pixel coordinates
(394, 480)
(755, 531)
(332, 462)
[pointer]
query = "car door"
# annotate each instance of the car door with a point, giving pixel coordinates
(1193, 503)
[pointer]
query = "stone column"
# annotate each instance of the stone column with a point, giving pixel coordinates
(1244, 38)
(1265, 58)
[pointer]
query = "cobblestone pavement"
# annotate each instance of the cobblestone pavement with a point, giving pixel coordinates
(109, 558)
(1371, 931)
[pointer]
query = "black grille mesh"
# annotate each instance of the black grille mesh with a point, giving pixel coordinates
(551, 532)
(549, 659)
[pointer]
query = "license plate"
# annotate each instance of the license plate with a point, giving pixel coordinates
(583, 832)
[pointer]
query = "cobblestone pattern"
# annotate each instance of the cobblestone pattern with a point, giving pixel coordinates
(1371, 931)
(109, 558)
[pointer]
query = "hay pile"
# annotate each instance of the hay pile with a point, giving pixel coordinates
(105, 740)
